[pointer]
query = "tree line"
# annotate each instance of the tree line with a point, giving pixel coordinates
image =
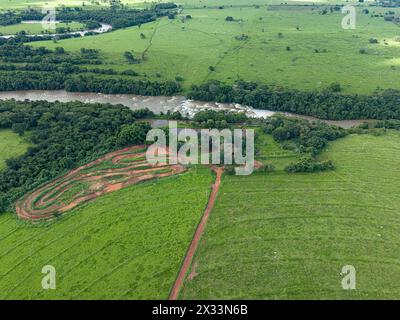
(17, 80)
(325, 104)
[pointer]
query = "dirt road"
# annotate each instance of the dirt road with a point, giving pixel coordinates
(197, 236)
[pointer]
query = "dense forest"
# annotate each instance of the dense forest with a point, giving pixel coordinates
(84, 83)
(218, 119)
(63, 135)
(307, 138)
(326, 104)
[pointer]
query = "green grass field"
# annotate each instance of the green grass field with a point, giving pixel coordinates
(36, 28)
(128, 244)
(11, 145)
(288, 236)
(188, 49)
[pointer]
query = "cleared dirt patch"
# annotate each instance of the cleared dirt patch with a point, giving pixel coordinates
(196, 238)
(104, 175)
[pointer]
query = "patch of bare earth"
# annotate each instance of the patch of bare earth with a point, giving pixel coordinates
(46, 202)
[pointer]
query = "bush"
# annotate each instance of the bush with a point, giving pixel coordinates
(308, 164)
(335, 87)
(133, 134)
(268, 167)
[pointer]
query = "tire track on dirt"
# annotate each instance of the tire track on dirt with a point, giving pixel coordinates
(197, 236)
(46, 203)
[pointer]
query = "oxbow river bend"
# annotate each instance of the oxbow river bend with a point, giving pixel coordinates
(157, 104)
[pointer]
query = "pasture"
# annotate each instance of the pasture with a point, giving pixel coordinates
(11, 145)
(287, 236)
(124, 245)
(281, 46)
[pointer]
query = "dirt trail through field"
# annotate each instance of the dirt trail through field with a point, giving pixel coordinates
(197, 236)
(107, 174)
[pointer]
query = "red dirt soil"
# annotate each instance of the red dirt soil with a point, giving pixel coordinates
(197, 236)
(45, 203)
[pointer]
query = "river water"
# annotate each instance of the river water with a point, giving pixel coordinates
(157, 104)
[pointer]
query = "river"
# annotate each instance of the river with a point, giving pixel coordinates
(157, 104)
(104, 28)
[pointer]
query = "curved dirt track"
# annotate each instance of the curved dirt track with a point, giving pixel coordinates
(197, 236)
(107, 174)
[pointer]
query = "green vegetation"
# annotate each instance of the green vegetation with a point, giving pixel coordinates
(289, 235)
(128, 244)
(259, 28)
(324, 198)
(270, 152)
(11, 145)
(318, 56)
(54, 129)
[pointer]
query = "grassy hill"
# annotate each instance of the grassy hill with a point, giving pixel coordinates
(288, 236)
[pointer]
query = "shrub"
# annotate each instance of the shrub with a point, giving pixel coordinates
(308, 164)
(335, 87)
(268, 167)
